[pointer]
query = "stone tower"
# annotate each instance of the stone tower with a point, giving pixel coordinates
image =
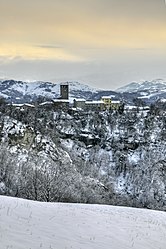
(64, 90)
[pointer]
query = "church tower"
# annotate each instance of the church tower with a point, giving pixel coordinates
(64, 90)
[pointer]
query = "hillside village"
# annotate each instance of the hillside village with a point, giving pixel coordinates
(65, 102)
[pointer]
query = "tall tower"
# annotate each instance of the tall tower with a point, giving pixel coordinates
(64, 90)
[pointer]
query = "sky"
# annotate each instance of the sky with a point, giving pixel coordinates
(103, 43)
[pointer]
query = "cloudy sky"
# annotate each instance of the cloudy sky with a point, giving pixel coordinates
(104, 43)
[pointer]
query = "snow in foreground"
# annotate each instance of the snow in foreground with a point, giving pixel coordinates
(31, 225)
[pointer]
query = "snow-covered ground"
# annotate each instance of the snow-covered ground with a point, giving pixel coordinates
(33, 225)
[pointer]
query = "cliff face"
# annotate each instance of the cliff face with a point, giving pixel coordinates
(84, 157)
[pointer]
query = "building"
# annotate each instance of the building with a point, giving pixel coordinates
(107, 102)
(115, 104)
(62, 104)
(89, 105)
(64, 90)
(46, 105)
(79, 103)
(111, 104)
(95, 105)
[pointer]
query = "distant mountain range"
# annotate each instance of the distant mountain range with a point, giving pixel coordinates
(151, 86)
(21, 92)
(149, 91)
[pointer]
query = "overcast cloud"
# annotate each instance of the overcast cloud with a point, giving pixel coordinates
(106, 43)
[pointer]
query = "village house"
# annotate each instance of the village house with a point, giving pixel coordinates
(107, 102)
(79, 103)
(95, 105)
(115, 104)
(61, 103)
(110, 104)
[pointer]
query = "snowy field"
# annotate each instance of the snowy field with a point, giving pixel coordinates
(33, 225)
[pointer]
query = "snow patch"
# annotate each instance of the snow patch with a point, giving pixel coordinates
(29, 224)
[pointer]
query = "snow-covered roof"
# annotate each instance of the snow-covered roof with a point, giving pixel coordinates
(130, 107)
(144, 107)
(80, 100)
(115, 102)
(24, 104)
(18, 105)
(61, 100)
(94, 102)
(46, 103)
(106, 97)
(64, 83)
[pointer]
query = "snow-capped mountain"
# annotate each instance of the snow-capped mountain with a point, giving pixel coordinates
(149, 91)
(151, 86)
(19, 91)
